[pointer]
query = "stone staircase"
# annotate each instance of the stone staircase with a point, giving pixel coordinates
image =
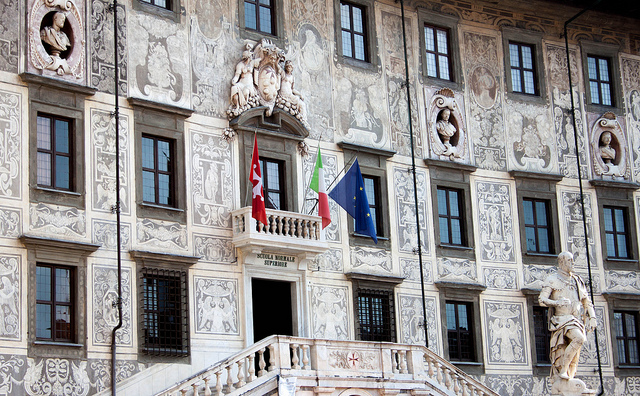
(322, 367)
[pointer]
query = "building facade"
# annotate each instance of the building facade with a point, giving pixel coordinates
(490, 102)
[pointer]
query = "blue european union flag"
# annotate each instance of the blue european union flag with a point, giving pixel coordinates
(350, 194)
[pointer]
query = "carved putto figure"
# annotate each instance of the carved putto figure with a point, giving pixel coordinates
(610, 158)
(263, 78)
(446, 126)
(571, 318)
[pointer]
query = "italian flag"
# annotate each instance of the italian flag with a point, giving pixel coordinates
(317, 185)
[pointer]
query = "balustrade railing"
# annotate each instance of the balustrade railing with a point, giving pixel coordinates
(299, 357)
(279, 223)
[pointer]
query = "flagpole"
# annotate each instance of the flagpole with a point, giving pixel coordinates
(346, 166)
(306, 188)
(246, 198)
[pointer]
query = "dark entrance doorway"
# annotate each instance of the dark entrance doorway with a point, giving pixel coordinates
(272, 308)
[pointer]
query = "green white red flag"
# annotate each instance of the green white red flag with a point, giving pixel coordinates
(318, 185)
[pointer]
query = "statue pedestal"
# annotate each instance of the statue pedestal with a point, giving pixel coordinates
(570, 387)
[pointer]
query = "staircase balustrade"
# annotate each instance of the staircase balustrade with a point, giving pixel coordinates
(294, 356)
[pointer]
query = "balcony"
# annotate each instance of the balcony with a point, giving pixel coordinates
(290, 233)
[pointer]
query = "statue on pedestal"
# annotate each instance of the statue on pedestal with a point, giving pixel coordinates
(571, 318)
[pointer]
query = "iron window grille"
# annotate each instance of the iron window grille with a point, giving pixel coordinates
(375, 315)
(438, 52)
(542, 334)
(451, 216)
(158, 171)
(165, 316)
(259, 16)
(54, 147)
(55, 296)
(626, 325)
(523, 73)
(273, 184)
(460, 332)
(600, 88)
(537, 226)
(616, 232)
(353, 25)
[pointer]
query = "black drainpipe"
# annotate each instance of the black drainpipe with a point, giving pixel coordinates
(116, 207)
(584, 218)
(415, 180)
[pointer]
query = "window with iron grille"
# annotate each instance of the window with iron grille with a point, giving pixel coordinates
(523, 72)
(159, 3)
(375, 315)
(460, 331)
(353, 25)
(616, 232)
(158, 171)
(55, 148)
(450, 216)
(273, 183)
(626, 325)
(55, 307)
(542, 334)
(165, 320)
(600, 87)
(438, 52)
(259, 15)
(537, 225)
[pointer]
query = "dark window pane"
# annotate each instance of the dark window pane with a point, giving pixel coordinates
(44, 169)
(265, 20)
(451, 317)
(62, 136)
(456, 232)
(527, 208)
(250, 19)
(442, 202)
(515, 80)
(63, 285)
(531, 239)
(541, 213)
(44, 133)
(43, 283)
(148, 187)
(164, 156)
(544, 240)
(62, 172)
(444, 231)
(622, 246)
(454, 205)
(611, 246)
(43, 321)
(148, 155)
(514, 56)
(163, 190)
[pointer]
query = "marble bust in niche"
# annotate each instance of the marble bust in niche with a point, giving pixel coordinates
(610, 151)
(55, 34)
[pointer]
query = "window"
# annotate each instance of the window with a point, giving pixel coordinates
(523, 73)
(353, 28)
(537, 225)
(54, 303)
(438, 52)
(157, 170)
(626, 326)
(372, 188)
(459, 331)
(55, 159)
(450, 216)
(160, 3)
(615, 230)
(375, 318)
(259, 15)
(273, 185)
(600, 88)
(165, 323)
(542, 334)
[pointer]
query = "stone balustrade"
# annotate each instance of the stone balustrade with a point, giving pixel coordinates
(290, 232)
(330, 362)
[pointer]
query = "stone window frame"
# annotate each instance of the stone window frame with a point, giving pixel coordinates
(54, 303)
(450, 23)
(278, 37)
(534, 39)
(371, 38)
(172, 13)
(66, 100)
(385, 284)
(538, 186)
(166, 122)
(621, 302)
(452, 175)
(463, 293)
(373, 163)
(72, 254)
(163, 261)
(279, 136)
(618, 194)
(611, 52)
(539, 368)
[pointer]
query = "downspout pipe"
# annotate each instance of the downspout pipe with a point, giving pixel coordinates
(415, 180)
(575, 139)
(116, 207)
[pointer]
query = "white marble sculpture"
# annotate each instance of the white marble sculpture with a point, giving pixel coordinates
(608, 141)
(446, 126)
(58, 42)
(571, 317)
(263, 78)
